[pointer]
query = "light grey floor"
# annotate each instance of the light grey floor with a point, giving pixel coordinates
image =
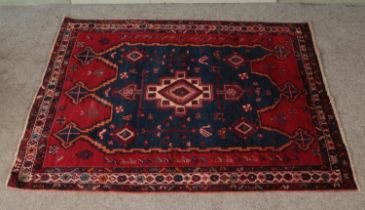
(26, 37)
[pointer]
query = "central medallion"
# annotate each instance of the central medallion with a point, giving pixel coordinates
(179, 92)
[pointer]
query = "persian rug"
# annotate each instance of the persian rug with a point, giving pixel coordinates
(151, 106)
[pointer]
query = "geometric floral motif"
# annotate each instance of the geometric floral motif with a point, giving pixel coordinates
(290, 92)
(302, 139)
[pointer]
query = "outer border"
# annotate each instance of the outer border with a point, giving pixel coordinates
(13, 179)
(32, 107)
(333, 104)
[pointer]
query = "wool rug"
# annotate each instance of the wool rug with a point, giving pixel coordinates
(198, 106)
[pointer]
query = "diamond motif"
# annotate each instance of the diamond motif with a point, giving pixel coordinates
(235, 60)
(181, 92)
(68, 135)
(86, 56)
(126, 134)
(134, 56)
(78, 93)
(243, 128)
